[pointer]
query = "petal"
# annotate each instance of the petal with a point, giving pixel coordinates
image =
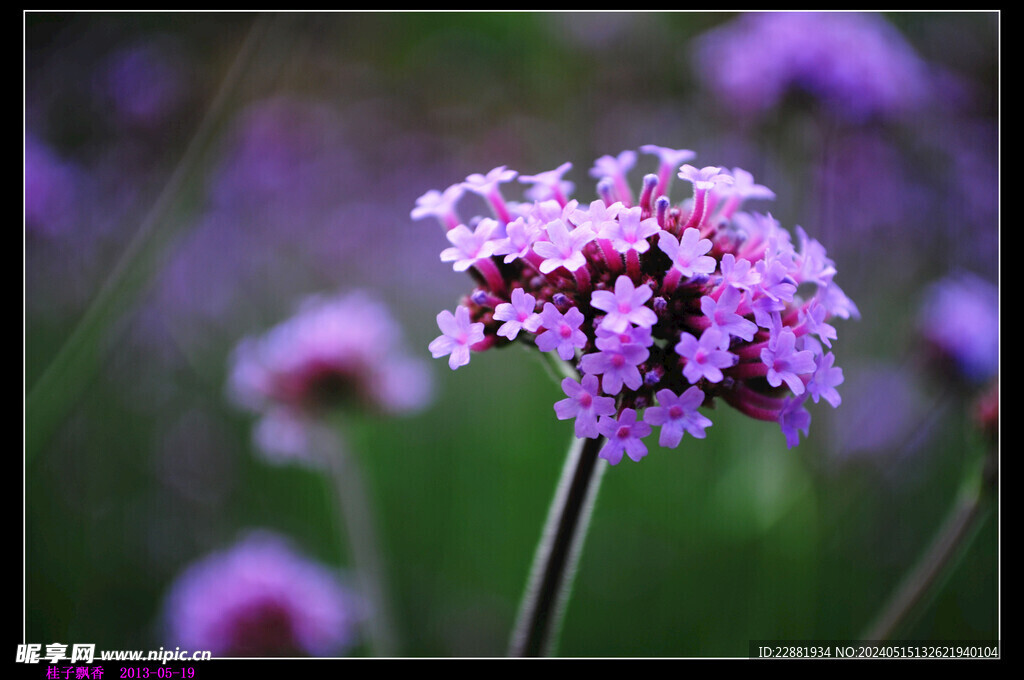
(547, 341)
(586, 426)
(510, 329)
(459, 357)
(670, 436)
(611, 452)
(691, 399)
(441, 346)
(603, 300)
(572, 388)
(656, 415)
(590, 383)
(505, 311)
(623, 287)
(566, 408)
(573, 317)
(636, 449)
(644, 317)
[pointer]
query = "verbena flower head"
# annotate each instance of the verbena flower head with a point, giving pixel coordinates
(657, 309)
(341, 352)
(261, 598)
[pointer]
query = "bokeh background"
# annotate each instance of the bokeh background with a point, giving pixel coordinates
(190, 177)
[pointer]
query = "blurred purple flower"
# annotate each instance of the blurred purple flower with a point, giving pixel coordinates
(261, 598)
(335, 352)
(51, 188)
(145, 82)
(856, 64)
(283, 151)
(290, 203)
(886, 415)
(959, 321)
(904, 202)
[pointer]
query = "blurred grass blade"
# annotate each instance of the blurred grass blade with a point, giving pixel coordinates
(61, 383)
(949, 545)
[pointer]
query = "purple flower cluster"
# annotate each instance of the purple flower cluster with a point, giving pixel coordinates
(261, 598)
(335, 352)
(856, 64)
(659, 309)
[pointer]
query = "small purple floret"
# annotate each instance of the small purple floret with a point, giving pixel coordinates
(584, 404)
(561, 331)
(458, 336)
(625, 435)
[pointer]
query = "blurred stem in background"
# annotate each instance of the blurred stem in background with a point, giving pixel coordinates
(554, 566)
(78, 359)
(357, 518)
(971, 511)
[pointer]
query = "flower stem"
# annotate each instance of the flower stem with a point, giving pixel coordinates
(554, 563)
(960, 527)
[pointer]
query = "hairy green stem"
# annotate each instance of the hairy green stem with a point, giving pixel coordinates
(554, 563)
